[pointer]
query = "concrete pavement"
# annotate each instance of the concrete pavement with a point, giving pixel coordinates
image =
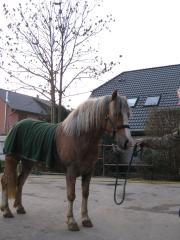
(150, 212)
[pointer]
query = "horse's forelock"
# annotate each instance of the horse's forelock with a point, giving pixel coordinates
(123, 104)
(119, 106)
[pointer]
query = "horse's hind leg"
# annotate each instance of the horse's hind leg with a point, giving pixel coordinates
(8, 182)
(86, 221)
(70, 181)
(25, 171)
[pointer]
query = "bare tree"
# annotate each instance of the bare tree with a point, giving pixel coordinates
(47, 46)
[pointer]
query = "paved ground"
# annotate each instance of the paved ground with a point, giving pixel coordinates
(150, 212)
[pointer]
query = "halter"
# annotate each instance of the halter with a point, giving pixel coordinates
(115, 128)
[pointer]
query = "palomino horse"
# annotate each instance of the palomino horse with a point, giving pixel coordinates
(76, 140)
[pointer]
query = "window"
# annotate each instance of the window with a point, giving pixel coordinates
(152, 101)
(132, 102)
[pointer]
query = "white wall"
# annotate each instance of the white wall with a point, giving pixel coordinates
(2, 140)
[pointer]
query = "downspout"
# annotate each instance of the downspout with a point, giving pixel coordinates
(5, 112)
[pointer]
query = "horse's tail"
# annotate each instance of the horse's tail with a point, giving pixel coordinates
(9, 178)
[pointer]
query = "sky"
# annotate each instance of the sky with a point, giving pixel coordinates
(145, 32)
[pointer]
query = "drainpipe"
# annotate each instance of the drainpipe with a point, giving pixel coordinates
(5, 112)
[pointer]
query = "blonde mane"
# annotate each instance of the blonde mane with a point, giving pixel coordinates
(89, 115)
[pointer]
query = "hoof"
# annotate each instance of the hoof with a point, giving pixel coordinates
(87, 223)
(8, 215)
(73, 227)
(20, 210)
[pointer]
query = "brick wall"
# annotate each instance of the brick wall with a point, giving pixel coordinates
(2, 111)
(13, 116)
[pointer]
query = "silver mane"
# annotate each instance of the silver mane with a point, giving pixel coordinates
(89, 115)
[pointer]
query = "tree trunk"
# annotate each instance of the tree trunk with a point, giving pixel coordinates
(61, 79)
(53, 99)
(53, 108)
(60, 107)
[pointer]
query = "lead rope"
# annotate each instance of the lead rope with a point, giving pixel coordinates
(134, 153)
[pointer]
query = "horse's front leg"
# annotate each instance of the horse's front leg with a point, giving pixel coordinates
(70, 182)
(86, 221)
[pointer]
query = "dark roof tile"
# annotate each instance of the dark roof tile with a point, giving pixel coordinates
(158, 81)
(24, 103)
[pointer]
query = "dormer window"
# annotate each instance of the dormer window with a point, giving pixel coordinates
(132, 102)
(152, 101)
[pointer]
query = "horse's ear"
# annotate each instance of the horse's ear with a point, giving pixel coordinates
(114, 95)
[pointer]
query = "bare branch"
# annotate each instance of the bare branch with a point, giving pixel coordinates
(50, 40)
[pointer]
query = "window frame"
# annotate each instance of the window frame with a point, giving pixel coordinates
(152, 104)
(136, 99)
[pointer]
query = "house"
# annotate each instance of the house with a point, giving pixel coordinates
(145, 89)
(15, 107)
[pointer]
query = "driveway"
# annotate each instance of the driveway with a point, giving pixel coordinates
(150, 212)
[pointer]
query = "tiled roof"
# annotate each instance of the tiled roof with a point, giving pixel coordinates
(24, 103)
(159, 81)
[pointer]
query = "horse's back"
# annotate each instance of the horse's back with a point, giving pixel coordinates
(32, 139)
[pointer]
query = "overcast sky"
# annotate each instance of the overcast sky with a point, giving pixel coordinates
(146, 33)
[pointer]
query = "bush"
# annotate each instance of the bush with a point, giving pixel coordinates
(166, 162)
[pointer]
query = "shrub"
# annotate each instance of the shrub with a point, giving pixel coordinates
(166, 162)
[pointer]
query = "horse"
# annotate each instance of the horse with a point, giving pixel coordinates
(76, 141)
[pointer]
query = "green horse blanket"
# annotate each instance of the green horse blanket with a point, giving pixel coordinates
(33, 140)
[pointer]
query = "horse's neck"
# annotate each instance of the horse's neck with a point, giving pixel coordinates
(88, 142)
(94, 135)
(91, 137)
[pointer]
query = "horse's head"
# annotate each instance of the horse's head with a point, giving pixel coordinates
(117, 121)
